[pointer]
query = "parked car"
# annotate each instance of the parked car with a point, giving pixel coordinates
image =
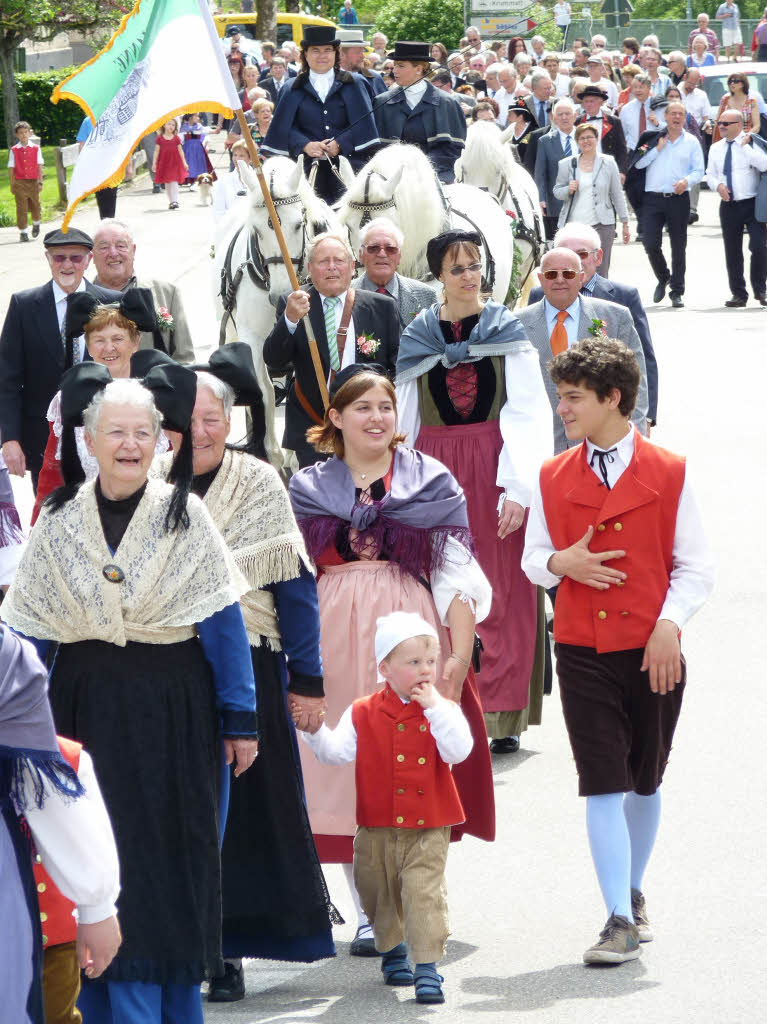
(714, 80)
(290, 27)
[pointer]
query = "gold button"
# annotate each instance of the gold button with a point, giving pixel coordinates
(400, 727)
(422, 760)
(45, 940)
(400, 757)
(420, 821)
(620, 583)
(400, 791)
(400, 819)
(420, 792)
(43, 916)
(618, 527)
(422, 728)
(624, 613)
(38, 859)
(601, 528)
(602, 615)
(41, 887)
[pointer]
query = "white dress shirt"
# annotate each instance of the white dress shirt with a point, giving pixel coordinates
(697, 104)
(350, 348)
(446, 721)
(75, 841)
(414, 93)
(563, 142)
(748, 163)
(323, 83)
(680, 159)
(630, 120)
(692, 574)
(60, 298)
(524, 421)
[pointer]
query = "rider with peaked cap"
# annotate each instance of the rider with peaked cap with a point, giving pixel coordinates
(324, 113)
(413, 111)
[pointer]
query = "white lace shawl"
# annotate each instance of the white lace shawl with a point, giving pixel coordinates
(172, 579)
(87, 461)
(250, 506)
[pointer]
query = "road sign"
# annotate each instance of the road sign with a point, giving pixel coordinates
(617, 13)
(508, 25)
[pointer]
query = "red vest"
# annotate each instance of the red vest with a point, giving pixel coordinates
(402, 782)
(56, 918)
(637, 516)
(25, 161)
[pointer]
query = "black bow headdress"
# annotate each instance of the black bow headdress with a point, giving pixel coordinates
(137, 305)
(233, 364)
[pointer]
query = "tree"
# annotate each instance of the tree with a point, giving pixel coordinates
(266, 26)
(427, 20)
(40, 20)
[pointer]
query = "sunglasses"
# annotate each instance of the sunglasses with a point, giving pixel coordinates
(583, 254)
(725, 123)
(390, 250)
(473, 268)
(552, 275)
(61, 258)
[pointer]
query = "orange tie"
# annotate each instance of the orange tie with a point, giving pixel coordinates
(558, 338)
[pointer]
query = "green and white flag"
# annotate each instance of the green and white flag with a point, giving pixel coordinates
(165, 59)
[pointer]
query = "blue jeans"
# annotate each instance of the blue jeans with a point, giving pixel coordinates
(138, 1002)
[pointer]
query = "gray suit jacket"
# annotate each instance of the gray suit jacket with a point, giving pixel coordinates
(413, 296)
(618, 325)
(547, 158)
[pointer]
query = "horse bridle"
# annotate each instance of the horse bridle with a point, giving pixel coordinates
(366, 206)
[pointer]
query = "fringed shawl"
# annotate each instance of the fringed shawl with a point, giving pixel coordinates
(173, 579)
(10, 525)
(249, 504)
(424, 507)
(29, 753)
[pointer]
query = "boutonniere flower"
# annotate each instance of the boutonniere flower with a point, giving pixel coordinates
(643, 149)
(367, 345)
(165, 321)
(598, 328)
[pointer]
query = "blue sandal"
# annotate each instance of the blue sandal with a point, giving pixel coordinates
(396, 967)
(428, 985)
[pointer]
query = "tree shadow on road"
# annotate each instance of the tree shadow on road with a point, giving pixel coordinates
(536, 990)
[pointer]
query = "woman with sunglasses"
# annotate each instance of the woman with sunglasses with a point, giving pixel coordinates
(738, 98)
(470, 394)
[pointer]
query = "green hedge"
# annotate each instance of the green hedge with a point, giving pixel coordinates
(50, 121)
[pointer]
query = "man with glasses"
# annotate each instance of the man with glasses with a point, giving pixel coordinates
(564, 316)
(584, 242)
(32, 349)
(734, 169)
(114, 254)
(380, 254)
(350, 327)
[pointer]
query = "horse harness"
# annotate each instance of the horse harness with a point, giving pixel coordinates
(255, 264)
(368, 208)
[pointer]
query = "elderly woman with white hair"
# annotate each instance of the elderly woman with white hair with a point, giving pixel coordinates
(131, 579)
(275, 902)
(380, 253)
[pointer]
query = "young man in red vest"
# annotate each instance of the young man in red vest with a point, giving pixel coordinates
(615, 526)
(25, 173)
(404, 739)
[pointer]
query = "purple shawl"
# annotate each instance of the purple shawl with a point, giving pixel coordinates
(424, 507)
(10, 524)
(27, 736)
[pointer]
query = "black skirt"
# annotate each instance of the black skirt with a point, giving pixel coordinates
(146, 714)
(276, 903)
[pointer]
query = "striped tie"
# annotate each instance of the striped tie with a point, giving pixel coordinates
(331, 331)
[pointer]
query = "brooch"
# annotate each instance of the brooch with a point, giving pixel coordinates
(113, 573)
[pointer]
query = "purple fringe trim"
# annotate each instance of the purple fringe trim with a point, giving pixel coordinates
(417, 552)
(10, 525)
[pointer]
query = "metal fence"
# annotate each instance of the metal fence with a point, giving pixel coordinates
(672, 33)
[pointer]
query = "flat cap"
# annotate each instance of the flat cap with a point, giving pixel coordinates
(72, 237)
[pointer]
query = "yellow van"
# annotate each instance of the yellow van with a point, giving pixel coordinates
(290, 27)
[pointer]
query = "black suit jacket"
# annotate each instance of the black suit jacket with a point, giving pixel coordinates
(626, 295)
(372, 314)
(613, 139)
(31, 366)
(271, 87)
(531, 150)
(532, 105)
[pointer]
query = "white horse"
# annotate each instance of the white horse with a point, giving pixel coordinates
(488, 162)
(400, 183)
(249, 271)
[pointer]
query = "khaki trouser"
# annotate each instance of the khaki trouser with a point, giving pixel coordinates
(26, 192)
(400, 877)
(61, 984)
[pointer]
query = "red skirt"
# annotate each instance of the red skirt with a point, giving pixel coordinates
(508, 634)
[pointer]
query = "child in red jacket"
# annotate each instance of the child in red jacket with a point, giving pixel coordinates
(403, 739)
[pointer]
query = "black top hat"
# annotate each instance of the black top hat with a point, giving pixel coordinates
(319, 35)
(410, 51)
(72, 237)
(594, 90)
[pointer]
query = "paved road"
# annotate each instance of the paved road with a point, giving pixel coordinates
(524, 908)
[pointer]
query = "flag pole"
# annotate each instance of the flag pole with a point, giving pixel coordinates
(259, 169)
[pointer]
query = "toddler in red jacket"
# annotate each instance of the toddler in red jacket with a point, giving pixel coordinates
(403, 740)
